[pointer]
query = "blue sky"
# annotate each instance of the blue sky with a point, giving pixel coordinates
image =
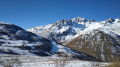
(32, 13)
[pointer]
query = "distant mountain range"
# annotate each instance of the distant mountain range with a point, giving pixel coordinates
(100, 39)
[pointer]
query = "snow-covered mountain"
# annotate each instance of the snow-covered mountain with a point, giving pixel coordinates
(65, 30)
(15, 40)
(100, 39)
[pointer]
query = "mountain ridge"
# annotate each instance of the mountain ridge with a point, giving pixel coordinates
(70, 28)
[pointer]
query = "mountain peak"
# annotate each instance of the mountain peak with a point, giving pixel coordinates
(3, 23)
(9, 26)
(110, 20)
(79, 19)
(91, 20)
(63, 20)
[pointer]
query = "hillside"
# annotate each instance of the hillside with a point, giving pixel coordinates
(98, 44)
(17, 41)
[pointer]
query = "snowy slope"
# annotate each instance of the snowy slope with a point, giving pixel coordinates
(15, 40)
